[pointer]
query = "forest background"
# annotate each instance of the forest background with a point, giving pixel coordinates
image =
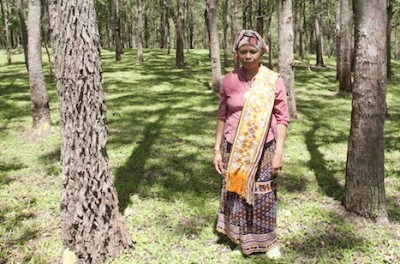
(161, 119)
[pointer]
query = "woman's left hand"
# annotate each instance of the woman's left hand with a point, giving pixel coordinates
(277, 163)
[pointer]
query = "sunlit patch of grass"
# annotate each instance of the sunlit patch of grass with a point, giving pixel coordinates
(161, 123)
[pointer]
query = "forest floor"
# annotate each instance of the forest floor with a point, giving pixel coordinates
(161, 123)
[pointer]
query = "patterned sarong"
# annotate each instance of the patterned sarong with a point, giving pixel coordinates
(251, 134)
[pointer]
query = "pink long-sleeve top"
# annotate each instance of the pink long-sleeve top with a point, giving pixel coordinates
(232, 99)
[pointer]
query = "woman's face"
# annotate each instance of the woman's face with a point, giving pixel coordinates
(249, 56)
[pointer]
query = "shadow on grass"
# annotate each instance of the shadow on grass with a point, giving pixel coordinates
(51, 162)
(328, 240)
(324, 171)
(167, 117)
(20, 235)
(5, 168)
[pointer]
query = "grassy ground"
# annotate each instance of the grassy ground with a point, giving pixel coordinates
(161, 126)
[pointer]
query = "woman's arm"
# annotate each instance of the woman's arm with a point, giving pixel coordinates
(277, 160)
(218, 164)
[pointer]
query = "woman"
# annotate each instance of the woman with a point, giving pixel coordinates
(251, 130)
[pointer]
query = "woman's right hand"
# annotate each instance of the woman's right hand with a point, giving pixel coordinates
(218, 164)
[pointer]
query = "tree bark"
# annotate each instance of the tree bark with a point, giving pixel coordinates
(214, 44)
(180, 38)
(389, 39)
(5, 15)
(286, 56)
(139, 45)
(117, 31)
(345, 47)
(39, 97)
(21, 14)
(318, 34)
(91, 224)
(365, 173)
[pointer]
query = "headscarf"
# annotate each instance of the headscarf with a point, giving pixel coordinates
(249, 37)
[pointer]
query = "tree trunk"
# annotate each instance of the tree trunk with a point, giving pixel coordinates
(207, 23)
(117, 31)
(146, 29)
(388, 35)
(91, 224)
(21, 14)
(225, 32)
(365, 173)
(271, 4)
(163, 24)
(214, 43)
(338, 20)
(234, 20)
(191, 24)
(234, 25)
(110, 36)
(180, 38)
(4, 9)
(286, 56)
(318, 33)
(302, 28)
(39, 97)
(139, 45)
(259, 17)
(345, 47)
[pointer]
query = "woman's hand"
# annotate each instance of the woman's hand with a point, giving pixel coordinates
(277, 163)
(218, 164)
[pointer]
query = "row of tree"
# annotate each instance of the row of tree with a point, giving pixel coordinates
(92, 226)
(158, 23)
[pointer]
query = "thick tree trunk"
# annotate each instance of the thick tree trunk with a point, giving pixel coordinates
(214, 43)
(5, 15)
(139, 45)
(365, 173)
(318, 34)
(163, 24)
(180, 38)
(225, 32)
(345, 47)
(117, 31)
(21, 14)
(39, 97)
(91, 224)
(286, 56)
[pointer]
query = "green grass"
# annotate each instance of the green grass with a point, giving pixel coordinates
(161, 124)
